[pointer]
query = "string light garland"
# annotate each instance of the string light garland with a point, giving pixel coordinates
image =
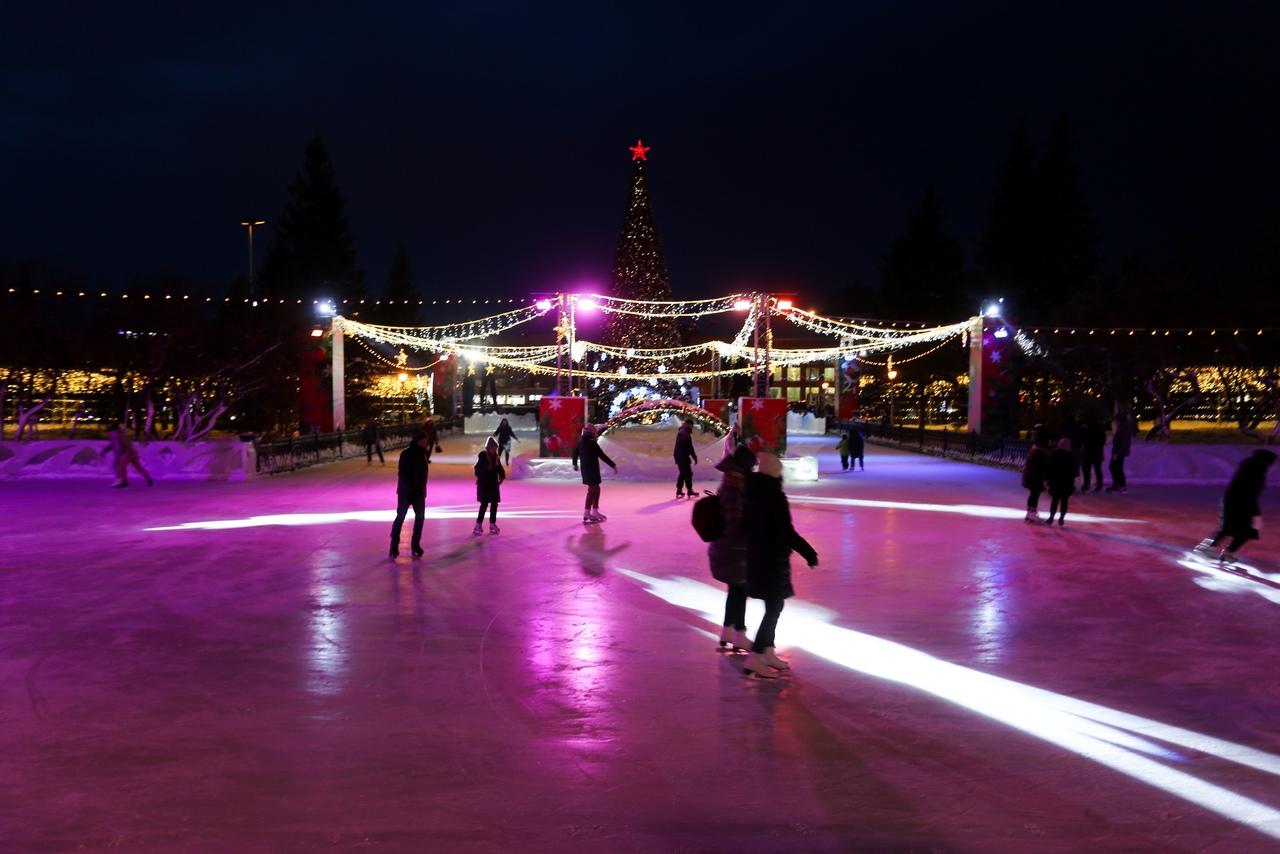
(666, 406)
(252, 302)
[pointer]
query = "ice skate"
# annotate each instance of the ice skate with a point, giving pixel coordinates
(1227, 560)
(478, 529)
(771, 659)
(679, 495)
(1032, 516)
(1048, 521)
(1062, 521)
(493, 528)
(726, 638)
(395, 552)
(597, 516)
(586, 519)
(1205, 547)
(756, 666)
(417, 551)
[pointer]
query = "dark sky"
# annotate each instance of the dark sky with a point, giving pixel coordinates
(789, 141)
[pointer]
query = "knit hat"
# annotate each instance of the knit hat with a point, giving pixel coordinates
(769, 464)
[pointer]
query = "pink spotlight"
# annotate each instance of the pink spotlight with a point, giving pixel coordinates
(543, 305)
(741, 304)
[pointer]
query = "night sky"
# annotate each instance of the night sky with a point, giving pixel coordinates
(790, 141)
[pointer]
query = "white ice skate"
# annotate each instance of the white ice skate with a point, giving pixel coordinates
(493, 528)
(734, 640)
(1032, 516)
(478, 529)
(597, 516)
(1205, 547)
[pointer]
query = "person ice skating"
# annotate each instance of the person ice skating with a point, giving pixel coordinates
(732, 440)
(1093, 444)
(1241, 514)
(843, 448)
(856, 447)
(587, 454)
(504, 434)
(1121, 445)
(770, 540)
(728, 554)
(1034, 472)
(125, 455)
(369, 435)
(683, 453)
(489, 477)
(433, 437)
(411, 491)
(1061, 471)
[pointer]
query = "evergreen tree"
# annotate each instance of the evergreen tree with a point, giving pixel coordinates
(1038, 248)
(1068, 228)
(1007, 249)
(923, 272)
(313, 253)
(400, 300)
(639, 271)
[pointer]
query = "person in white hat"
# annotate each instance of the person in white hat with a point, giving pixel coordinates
(771, 539)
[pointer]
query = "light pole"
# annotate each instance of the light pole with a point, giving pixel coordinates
(892, 374)
(251, 224)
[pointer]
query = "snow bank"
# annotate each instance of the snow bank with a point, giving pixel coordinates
(484, 423)
(222, 459)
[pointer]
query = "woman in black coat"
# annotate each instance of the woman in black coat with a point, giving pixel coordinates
(489, 477)
(771, 539)
(1060, 473)
(587, 456)
(1241, 513)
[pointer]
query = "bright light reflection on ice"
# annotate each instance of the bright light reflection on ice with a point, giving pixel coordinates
(983, 510)
(1118, 740)
(1221, 580)
(458, 511)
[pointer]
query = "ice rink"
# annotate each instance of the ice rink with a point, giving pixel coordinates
(239, 667)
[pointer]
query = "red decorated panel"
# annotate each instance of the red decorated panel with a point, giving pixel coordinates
(764, 423)
(715, 405)
(560, 421)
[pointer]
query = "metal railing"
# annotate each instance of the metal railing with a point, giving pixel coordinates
(958, 445)
(281, 455)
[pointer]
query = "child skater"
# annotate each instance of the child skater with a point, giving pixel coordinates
(489, 477)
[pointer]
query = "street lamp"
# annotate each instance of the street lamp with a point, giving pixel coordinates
(892, 374)
(251, 224)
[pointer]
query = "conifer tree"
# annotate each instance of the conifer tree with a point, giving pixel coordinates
(400, 300)
(313, 253)
(639, 271)
(1007, 249)
(923, 272)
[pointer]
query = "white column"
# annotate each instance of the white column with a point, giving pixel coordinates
(976, 328)
(339, 376)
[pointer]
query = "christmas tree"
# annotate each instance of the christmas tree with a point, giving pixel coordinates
(639, 272)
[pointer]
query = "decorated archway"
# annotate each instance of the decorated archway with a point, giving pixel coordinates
(651, 411)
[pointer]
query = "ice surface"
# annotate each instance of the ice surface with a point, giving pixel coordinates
(238, 666)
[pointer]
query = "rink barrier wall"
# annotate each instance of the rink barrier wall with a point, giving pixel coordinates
(220, 459)
(295, 452)
(1149, 463)
(484, 423)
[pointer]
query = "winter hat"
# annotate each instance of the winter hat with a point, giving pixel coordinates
(769, 465)
(492, 443)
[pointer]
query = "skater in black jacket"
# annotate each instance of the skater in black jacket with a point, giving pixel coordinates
(1060, 473)
(771, 539)
(411, 491)
(372, 442)
(489, 477)
(1093, 444)
(1034, 473)
(587, 453)
(728, 555)
(683, 453)
(505, 436)
(1241, 513)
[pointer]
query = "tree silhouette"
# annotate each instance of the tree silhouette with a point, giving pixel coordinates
(313, 253)
(400, 299)
(923, 272)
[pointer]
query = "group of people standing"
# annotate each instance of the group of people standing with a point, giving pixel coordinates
(1053, 465)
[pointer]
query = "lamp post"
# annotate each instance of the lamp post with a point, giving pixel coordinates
(892, 374)
(251, 224)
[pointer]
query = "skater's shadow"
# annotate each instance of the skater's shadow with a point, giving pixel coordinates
(650, 509)
(591, 550)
